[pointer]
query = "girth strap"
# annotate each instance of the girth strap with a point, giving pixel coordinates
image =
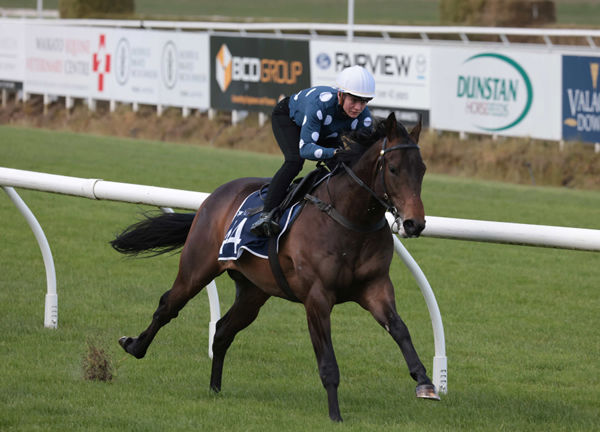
(339, 218)
(278, 272)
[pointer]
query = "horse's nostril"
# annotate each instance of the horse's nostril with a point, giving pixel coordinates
(412, 228)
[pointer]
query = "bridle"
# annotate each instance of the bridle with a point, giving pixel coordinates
(381, 162)
(386, 202)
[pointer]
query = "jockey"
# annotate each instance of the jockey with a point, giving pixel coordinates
(308, 125)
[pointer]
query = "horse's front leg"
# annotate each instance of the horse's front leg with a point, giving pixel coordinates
(379, 300)
(318, 310)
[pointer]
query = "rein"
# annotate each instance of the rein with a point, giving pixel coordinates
(385, 202)
(339, 218)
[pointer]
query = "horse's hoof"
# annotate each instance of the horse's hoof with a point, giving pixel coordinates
(127, 344)
(427, 391)
(124, 341)
(130, 348)
(336, 417)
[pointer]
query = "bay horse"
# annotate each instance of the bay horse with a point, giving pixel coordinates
(326, 259)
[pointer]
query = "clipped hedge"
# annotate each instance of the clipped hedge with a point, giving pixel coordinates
(501, 13)
(95, 8)
(460, 11)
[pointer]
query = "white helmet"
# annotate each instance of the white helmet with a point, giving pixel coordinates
(357, 81)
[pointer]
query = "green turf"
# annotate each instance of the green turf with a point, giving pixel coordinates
(366, 11)
(424, 12)
(520, 322)
(579, 13)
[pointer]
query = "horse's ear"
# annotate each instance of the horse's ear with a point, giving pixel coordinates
(416, 130)
(390, 125)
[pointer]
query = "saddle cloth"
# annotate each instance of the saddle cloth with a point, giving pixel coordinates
(239, 238)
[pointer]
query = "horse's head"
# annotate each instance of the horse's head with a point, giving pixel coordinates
(400, 171)
(388, 161)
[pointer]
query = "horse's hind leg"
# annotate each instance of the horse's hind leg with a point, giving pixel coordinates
(193, 276)
(248, 301)
(380, 302)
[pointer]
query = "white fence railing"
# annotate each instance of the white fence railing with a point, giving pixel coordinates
(466, 34)
(28, 13)
(536, 235)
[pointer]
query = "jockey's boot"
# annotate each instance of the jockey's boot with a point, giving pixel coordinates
(265, 226)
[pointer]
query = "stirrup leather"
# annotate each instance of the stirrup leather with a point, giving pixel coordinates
(265, 226)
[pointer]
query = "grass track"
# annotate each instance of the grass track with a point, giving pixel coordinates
(520, 322)
(405, 12)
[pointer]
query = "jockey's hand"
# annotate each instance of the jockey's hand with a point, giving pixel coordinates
(342, 154)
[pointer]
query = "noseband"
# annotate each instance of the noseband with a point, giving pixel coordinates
(386, 202)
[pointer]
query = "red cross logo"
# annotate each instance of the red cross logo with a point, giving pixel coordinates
(101, 62)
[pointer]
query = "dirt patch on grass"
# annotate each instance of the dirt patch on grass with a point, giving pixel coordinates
(505, 159)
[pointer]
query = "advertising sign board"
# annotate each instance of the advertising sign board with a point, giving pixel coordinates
(58, 60)
(581, 98)
(254, 73)
(496, 92)
(184, 69)
(12, 55)
(402, 73)
(156, 67)
(140, 66)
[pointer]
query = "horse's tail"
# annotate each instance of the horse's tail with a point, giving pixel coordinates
(154, 235)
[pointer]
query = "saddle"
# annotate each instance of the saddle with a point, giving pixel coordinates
(297, 190)
(240, 238)
(296, 193)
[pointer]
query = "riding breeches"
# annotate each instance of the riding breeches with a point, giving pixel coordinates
(287, 134)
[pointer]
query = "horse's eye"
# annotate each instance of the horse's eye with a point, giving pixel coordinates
(393, 170)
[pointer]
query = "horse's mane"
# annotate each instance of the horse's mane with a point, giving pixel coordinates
(357, 142)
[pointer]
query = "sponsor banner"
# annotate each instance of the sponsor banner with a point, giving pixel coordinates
(184, 70)
(401, 72)
(128, 66)
(254, 73)
(12, 54)
(581, 98)
(125, 65)
(59, 60)
(155, 67)
(504, 92)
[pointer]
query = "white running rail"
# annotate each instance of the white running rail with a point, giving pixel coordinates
(465, 34)
(486, 231)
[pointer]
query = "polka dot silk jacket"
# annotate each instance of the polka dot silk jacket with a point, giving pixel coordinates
(317, 111)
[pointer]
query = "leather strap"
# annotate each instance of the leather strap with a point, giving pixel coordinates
(339, 218)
